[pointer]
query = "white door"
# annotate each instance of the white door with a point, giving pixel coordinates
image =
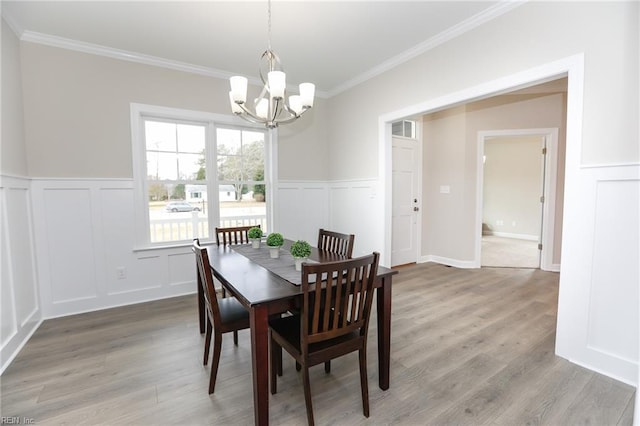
(405, 211)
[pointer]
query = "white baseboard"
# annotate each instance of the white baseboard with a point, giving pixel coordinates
(514, 236)
(463, 264)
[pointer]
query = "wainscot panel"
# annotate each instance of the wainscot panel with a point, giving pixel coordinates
(21, 314)
(601, 331)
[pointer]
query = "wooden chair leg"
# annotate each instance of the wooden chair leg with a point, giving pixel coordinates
(207, 341)
(217, 346)
(235, 337)
(279, 360)
(327, 367)
(307, 395)
(273, 370)
(364, 383)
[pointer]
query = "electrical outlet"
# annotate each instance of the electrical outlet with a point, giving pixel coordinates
(121, 272)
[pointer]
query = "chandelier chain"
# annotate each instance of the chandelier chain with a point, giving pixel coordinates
(269, 23)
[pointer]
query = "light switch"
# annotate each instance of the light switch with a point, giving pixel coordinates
(445, 189)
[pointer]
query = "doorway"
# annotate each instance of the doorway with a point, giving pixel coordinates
(517, 174)
(513, 184)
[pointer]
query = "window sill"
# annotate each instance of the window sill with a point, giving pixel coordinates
(169, 246)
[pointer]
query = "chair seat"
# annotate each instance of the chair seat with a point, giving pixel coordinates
(232, 311)
(289, 329)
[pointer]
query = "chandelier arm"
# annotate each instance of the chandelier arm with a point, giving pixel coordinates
(248, 112)
(277, 109)
(292, 112)
(287, 120)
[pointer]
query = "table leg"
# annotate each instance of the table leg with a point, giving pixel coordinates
(383, 302)
(260, 362)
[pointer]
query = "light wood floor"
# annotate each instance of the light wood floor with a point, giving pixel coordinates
(509, 252)
(469, 347)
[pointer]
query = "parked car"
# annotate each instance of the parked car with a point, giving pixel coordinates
(181, 206)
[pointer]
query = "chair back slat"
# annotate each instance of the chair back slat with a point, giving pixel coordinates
(233, 235)
(336, 242)
(205, 277)
(337, 296)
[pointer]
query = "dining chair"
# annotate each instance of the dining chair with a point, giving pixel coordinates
(223, 315)
(333, 321)
(233, 235)
(336, 242)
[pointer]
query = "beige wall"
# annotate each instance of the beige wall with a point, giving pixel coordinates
(77, 114)
(450, 157)
(512, 185)
(13, 156)
(529, 36)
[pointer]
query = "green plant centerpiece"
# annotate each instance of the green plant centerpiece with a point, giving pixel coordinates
(274, 241)
(300, 250)
(255, 234)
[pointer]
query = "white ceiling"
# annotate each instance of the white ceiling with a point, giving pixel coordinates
(334, 44)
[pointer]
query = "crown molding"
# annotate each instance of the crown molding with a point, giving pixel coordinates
(440, 38)
(124, 55)
(10, 21)
(94, 49)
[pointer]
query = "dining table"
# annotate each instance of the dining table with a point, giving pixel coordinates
(266, 288)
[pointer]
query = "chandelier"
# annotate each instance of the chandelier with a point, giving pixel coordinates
(270, 107)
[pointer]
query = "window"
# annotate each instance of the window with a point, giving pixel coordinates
(240, 168)
(195, 171)
(404, 128)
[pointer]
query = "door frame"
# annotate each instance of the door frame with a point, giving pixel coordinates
(549, 190)
(571, 67)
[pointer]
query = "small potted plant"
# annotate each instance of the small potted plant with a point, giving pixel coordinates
(300, 250)
(255, 234)
(274, 241)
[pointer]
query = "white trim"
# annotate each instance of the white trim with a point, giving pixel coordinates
(469, 24)
(140, 58)
(572, 66)
(616, 165)
(14, 354)
(450, 33)
(456, 263)
(208, 120)
(550, 184)
(11, 22)
(514, 236)
(23, 326)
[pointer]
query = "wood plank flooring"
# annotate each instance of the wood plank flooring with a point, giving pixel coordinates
(469, 347)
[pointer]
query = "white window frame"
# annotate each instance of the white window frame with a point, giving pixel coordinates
(139, 112)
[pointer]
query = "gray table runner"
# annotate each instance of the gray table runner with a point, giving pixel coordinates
(284, 266)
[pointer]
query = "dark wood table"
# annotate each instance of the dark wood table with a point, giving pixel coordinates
(264, 293)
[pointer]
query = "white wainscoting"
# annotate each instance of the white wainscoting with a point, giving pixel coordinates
(84, 233)
(599, 323)
(356, 209)
(341, 206)
(21, 314)
(302, 208)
